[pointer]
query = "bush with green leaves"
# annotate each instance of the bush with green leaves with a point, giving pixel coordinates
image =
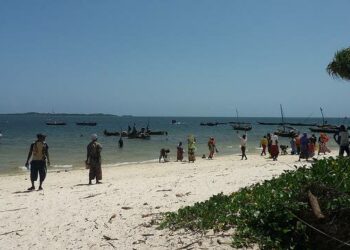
(276, 214)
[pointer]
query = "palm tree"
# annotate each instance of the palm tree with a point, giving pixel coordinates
(340, 66)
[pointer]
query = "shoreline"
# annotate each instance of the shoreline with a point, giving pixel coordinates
(68, 213)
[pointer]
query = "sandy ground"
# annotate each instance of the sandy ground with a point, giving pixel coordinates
(68, 214)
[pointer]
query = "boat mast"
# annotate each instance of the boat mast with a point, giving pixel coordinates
(322, 116)
(237, 116)
(284, 128)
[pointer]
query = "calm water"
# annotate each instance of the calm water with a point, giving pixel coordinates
(68, 143)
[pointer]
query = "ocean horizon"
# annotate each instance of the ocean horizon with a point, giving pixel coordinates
(67, 144)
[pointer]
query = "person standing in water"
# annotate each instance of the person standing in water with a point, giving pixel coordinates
(39, 156)
(93, 160)
(121, 142)
(244, 140)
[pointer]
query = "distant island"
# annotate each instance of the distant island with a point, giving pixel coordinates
(65, 114)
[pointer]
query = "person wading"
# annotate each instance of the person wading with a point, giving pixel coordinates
(39, 155)
(93, 160)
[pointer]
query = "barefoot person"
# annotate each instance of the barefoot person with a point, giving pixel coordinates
(39, 154)
(93, 160)
(191, 141)
(243, 145)
(212, 148)
(180, 152)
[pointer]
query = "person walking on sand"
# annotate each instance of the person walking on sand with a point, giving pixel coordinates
(263, 144)
(180, 152)
(322, 144)
(304, 147)
(93, 160)
(274, 147)
(212, 148)
(39, 156)
(243, 145)
(342, 139)
(191, 141)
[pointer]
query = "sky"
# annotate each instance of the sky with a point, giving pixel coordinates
(173, 58)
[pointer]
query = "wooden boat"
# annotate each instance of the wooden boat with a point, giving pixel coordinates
(301, 124)
(56, 123)
(86, 123)
(244, 126)
(330, 130)
(284, 130)
(325, 127)
(157, 132)
(123, 133)
(270, 123)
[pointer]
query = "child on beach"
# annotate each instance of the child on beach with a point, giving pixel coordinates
(322, 141)
(243, 145)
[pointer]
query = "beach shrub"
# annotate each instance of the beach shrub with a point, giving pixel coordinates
(276, 214)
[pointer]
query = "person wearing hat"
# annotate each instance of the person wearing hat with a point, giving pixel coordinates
(93, 160)
(39, 156)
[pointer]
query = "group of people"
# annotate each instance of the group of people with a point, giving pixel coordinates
(304, 146)
(270, 142)
(38, 159)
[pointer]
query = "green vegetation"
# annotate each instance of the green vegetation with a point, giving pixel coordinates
(340, 66)
(274, 214)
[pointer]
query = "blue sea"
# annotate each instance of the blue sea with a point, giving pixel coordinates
(67, 144)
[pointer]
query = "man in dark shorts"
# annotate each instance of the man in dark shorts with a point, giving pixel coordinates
(38, 154)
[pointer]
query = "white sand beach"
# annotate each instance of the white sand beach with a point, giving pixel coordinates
(68, 214)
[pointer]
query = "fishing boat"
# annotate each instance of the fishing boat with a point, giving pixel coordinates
(123, 133)
(325, 127)
(285, 130)
(271, 123)
(243, 126)
(86, 123)
(56, 123)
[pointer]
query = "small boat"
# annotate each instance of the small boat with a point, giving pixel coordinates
(86, 123)
(330, 130)
(243, 126)
(271, 123)
(157, 132)
(210, 124)
(301, 124)
(123, 133)
(56, 123)
(284, 130)
(173, 121)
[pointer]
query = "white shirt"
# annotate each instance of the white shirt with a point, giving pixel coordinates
(274, 139)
